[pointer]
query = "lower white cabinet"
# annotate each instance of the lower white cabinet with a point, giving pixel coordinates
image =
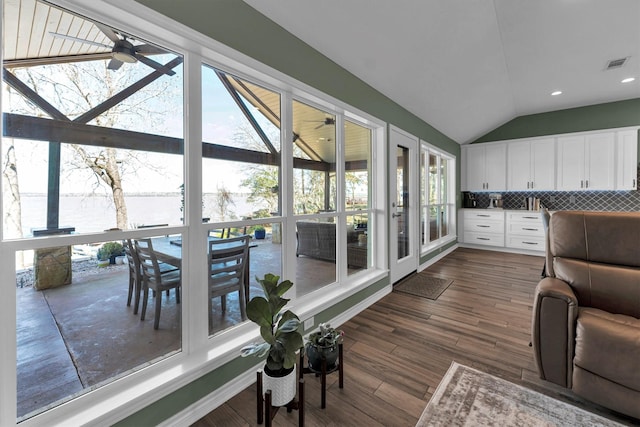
(519, 230)
(525, 231)
(483, 227)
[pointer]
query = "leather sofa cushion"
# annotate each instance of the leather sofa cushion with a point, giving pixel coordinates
(602, 237)
(615, 289)
(608, 345)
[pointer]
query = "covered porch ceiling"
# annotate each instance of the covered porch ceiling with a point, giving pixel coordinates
(36, 33)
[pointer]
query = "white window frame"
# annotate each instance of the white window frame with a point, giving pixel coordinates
(427, 245)
(200, 354)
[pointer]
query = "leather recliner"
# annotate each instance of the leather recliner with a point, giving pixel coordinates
(586, 313)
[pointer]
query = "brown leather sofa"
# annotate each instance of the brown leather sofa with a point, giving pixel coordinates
(586, 313)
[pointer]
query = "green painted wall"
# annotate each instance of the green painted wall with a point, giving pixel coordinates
(592, 117)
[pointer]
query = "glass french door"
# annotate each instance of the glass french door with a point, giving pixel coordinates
(403, 177)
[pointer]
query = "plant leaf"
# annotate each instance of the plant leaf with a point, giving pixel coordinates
(258, 311)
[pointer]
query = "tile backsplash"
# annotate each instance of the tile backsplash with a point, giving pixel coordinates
(570, 200)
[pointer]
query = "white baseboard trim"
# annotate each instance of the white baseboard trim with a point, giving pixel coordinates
(199, 409)
(437, 258)
(360, 307)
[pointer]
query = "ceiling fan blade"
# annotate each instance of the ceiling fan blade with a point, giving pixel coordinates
(107, 32)
(148, 49)
(79, 40)
(153, 64)
(114, 64)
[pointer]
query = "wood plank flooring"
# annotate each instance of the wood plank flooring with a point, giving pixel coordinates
(398, 350)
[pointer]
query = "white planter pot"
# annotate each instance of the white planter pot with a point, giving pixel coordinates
(283, 389)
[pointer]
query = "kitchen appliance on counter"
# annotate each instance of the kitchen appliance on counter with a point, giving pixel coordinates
(495, 201)
(469, 200)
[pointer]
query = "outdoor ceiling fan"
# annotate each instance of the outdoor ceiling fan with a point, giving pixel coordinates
(325, 122)
(123, 50)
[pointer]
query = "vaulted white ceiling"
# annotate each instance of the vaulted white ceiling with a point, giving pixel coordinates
(468, 66)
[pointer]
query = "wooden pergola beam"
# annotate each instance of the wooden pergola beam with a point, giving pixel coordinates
(40, 129)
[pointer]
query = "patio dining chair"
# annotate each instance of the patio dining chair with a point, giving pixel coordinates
(228, 262)
(154, 279)
(135, 273)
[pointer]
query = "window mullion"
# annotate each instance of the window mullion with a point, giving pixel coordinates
(195, 326)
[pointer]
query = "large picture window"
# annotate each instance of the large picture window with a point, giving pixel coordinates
(437, 176)
(92, 148)
(121, 212)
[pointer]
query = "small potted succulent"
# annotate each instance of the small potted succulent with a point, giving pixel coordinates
(281, 338)
(323, 343)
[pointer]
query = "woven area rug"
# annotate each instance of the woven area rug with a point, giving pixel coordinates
(423, 285)
(467, 397)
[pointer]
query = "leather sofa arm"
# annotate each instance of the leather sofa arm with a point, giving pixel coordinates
(555, 310)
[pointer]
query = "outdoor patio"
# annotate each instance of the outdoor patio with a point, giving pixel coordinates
(74, 338)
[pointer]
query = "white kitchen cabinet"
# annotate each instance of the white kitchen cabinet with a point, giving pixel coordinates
(483, 226)
(485, 166)
(531, 165)
(586, 162)
(525, 231)
(627, 160)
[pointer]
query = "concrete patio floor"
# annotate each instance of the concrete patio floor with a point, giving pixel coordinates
(74, 338)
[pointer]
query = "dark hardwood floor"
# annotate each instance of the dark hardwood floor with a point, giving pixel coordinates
(398, 350)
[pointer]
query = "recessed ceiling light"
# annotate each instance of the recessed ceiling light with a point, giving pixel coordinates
(556, 93)
(628, 80)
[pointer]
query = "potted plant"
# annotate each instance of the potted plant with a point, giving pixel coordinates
(281, 338)
(323, 343)
(109, 251)
(259, 232)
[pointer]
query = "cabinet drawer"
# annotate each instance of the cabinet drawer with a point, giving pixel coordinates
(530, 243)
(525, 229)
(532, 216)
(484, 238)
(483, 226)
(483, 214)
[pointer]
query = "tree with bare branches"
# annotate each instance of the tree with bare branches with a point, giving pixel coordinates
(76, 88)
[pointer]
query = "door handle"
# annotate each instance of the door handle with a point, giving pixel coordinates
(395, 215)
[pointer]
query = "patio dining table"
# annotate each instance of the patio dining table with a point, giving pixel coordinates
(169, 251)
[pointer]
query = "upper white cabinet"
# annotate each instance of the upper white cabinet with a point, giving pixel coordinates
(627, 160)
(586, 162)
(485, 166)
(531, 165)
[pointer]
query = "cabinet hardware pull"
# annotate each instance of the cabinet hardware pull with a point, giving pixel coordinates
(527, 184)
(530, 229)
(483, 238)
(587, 183)
(581, 184)
(634, 183)
(482, 226)
(483, 215)
(530, 243)
(530, 217)
(531, 184)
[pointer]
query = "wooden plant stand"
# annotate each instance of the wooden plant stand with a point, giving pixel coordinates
(266, 411)
(323, 373)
